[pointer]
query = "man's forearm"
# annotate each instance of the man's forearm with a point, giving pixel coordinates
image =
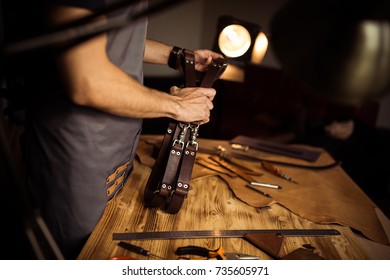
(156, 52)
(95, 82)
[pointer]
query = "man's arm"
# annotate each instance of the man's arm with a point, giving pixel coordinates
(158, 53)
(95, 82)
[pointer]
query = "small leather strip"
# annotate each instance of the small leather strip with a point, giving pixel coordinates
(188, 65)
(168, 181)
(151, 197)
(120, 169)
(174, 204)
(186, 170)
(218, 67)
(117, 182)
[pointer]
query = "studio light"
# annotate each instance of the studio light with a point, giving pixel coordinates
(240, 41)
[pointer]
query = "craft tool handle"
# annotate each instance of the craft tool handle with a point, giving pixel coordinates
(133, 248)
(259, 191)
(268, 166)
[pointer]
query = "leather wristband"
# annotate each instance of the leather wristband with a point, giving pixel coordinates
(173, 58)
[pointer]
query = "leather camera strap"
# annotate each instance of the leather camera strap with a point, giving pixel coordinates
(152, 198)
(174, 202)
(168, 183)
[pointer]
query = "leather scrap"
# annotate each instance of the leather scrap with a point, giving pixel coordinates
(315, 198)
(270, 243)
(302, 254)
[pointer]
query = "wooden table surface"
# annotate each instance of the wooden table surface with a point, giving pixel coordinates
(211, 205)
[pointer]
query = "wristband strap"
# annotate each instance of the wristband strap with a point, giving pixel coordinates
(173, 57)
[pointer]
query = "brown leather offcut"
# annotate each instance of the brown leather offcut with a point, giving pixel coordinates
(115, 179)
(270, 243)
(168, 183)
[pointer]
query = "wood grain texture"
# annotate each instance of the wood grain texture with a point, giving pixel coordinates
(212, 205)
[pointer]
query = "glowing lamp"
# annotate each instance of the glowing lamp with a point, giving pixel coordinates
(240, 41)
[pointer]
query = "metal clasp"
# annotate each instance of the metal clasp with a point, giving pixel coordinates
(180, 138)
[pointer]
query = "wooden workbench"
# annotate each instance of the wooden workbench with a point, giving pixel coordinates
(213, 205)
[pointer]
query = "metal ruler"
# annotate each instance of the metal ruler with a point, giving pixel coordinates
(220, 233)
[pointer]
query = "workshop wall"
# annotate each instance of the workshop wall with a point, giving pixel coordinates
(192, 25)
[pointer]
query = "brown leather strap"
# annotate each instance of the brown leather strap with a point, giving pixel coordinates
(152, 198)
(175, 201)
(214, 72)
(188, 66)
(168, 183)
(171, 174)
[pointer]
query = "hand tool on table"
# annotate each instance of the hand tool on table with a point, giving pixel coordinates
(268, 166)
(267, 240)
(265, 164)
(217, 254)
(137, 250)
(266, 185)
(239, 147)
(224, 155)
(241, 173)
(233, 168)
(232, 155)
(259, 191)
(214, 166)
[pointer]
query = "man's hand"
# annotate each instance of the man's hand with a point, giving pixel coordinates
(203, 58)
(194, 104)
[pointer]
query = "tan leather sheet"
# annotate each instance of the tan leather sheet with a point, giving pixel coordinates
(321, 196)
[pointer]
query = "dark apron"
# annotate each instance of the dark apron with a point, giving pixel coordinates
(78, 157)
